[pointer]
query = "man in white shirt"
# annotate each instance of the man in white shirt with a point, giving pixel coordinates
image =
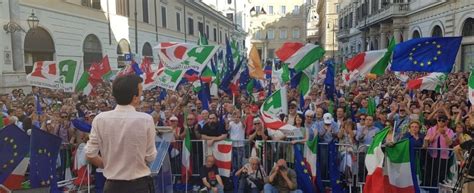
(125, 139)
(237, 135)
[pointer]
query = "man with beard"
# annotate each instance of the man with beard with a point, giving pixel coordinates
(211, 131)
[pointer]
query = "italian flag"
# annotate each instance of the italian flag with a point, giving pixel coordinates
(310, 155)
(401, 172)
(432, 81)
(272, 107)
(304, 85)
(96, 73)
(374, 62)
(374, 164)
(14, 180)
(222, 152)
(299, 56)
(471, 87)
(186, 170)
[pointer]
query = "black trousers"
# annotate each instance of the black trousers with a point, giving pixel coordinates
(140, 185)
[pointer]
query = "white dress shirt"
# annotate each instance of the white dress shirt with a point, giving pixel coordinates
(125, 139)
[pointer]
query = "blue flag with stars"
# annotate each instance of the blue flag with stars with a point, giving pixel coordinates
(43, 156)
(435, 54)
(303, 177)
(334, 173)
(14, 145)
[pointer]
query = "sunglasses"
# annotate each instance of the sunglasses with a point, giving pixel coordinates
(442, 120)
(256, 124)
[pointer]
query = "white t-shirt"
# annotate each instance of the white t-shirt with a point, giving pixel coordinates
(237, 132)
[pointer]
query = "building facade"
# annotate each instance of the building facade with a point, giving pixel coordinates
(370, 24)
(87, 30)
(329, 26)
(234, 11)
(272, 23)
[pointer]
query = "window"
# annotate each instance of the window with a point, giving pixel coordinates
(257, 9)
(270, 10)
(215, 34)
(201, 28)
(468, 27)
(350, 19)
(258, 35)
(163, 17)
(207, 31)
(271, 53)
(147, 52)
(296, 10)
(229, 1)
(271, 34)
(375, 6)
(123, 48)
(95, 4)
(296, 33)
(283, 34)
(145, 11)
(437, 32)
(467, 57)
(92, 50)
(39, 46)
(220, 36)
(230, 16)
(178, 21)
(416, 34)
(190, 26)
(122, 7)
(283, 10)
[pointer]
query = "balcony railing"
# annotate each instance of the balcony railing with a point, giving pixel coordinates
(388, 11)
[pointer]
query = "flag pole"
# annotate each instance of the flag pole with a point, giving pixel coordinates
(88, 179)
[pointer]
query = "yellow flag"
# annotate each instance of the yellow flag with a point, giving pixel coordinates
(255, 64)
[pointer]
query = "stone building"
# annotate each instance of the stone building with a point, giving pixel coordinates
(87, 30)
(370, 24)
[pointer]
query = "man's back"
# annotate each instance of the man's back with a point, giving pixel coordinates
(125, 139)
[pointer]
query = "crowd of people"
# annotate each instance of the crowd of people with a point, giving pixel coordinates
(431, 119)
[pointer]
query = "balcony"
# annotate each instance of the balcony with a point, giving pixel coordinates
(388, 11)
(419, 5)
(343, 33)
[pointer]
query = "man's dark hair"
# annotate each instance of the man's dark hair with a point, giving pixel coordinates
(125, 87)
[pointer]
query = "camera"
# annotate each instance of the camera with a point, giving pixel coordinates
(281, 167)
(244, 175)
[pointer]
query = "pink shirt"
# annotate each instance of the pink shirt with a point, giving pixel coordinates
(434, 144)
(126, 141)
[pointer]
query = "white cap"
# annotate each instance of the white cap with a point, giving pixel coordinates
(327, 117)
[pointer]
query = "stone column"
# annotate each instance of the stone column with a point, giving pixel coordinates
(383, 40)
(397, 33)
(17, 51)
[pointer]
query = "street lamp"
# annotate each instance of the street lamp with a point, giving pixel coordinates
(12, 27)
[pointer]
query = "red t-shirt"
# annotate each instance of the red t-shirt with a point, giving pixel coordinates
(249, 125)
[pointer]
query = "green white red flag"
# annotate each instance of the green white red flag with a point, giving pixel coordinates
(168, 79)
(96, 74)
(471, 87)
(186, 169)
(299, 56)
(310, 156)
(375, 62)
(401, 170)
(433, 81)
(374, 163)
(182, 56)
(55, 75)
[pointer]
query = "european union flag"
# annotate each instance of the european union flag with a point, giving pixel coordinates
(303, 178)
(329, 84)
(14, 145)
(435, 54)
(44, 153)
(334, 174)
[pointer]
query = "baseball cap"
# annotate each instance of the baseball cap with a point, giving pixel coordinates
(327, 117)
